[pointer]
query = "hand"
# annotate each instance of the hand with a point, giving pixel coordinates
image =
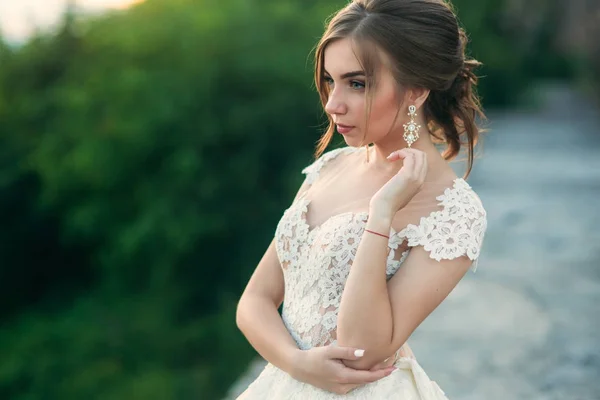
(399, 190)
(322, 367)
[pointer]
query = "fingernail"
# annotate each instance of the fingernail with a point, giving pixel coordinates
(359, 353)
(388, 157)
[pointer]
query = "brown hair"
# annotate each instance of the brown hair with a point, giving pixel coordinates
(426, 48)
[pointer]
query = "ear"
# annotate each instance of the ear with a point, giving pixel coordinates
(416, 96)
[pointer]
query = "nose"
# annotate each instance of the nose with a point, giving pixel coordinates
(335, 104)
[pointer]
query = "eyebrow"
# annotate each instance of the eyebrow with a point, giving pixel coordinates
(351, 74)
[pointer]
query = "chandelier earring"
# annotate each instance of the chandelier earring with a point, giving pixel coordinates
(411, 130)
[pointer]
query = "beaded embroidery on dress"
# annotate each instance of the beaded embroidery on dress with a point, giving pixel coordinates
(316, 262)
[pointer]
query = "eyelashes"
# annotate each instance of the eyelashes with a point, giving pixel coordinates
(354, 84)
(360, 85)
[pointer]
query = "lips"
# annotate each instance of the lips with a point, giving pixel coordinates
(343, 129)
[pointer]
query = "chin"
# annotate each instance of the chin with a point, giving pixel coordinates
(353, 141)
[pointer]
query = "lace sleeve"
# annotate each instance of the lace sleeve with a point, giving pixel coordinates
(454, 231)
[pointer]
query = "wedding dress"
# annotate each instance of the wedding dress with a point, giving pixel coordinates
(447, 219)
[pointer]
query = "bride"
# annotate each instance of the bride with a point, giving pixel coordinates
(382, 230)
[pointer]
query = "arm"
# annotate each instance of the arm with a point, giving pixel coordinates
(257, 316)
(365, 313)
(378, 316)
(259, 321)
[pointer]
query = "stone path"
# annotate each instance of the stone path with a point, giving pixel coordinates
(526, 324)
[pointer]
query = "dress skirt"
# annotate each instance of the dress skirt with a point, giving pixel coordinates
(408, 382)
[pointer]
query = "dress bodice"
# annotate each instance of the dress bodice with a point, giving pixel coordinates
(316, 260)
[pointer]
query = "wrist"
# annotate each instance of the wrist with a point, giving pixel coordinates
(379, 224)
(379, 218)
(294, 361)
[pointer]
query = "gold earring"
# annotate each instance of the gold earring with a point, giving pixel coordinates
(411, 130)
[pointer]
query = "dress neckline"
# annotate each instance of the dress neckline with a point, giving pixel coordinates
(312, 229)
(361, 216)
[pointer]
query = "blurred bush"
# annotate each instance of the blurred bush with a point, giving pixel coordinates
(145, 158)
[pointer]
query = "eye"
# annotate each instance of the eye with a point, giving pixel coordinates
(328, 80)
(357, 85)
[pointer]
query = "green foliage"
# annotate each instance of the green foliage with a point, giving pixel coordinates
(152, 147)
(145, 157)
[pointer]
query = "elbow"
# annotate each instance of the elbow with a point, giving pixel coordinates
(363, 365)
(371, 357)
(375, 352)
(239, 314)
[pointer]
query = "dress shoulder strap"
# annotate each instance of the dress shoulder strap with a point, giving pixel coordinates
(313, 170)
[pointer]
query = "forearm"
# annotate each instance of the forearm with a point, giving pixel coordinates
(262, 325)
(365, 301)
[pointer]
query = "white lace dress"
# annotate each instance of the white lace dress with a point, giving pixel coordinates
(316, 262)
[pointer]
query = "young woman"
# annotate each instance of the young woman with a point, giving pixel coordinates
(381, 231)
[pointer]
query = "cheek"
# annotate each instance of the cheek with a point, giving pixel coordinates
(358, 104)
(383, 112)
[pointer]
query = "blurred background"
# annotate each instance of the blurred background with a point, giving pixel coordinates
(148, 149)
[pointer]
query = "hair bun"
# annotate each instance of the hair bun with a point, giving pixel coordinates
(467, 70)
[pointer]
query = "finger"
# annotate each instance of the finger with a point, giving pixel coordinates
(408, 164)
(345, 389)
(418, 165)
(394, 156)
(424, 166)
(354, 376)
(345, 353)
(382, 365)
(398, 154)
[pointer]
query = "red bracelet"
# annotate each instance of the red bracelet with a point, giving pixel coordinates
(378, 234)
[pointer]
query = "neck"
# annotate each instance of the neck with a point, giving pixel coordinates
(394, 141)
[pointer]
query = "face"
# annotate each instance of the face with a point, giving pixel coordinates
(347, 102)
